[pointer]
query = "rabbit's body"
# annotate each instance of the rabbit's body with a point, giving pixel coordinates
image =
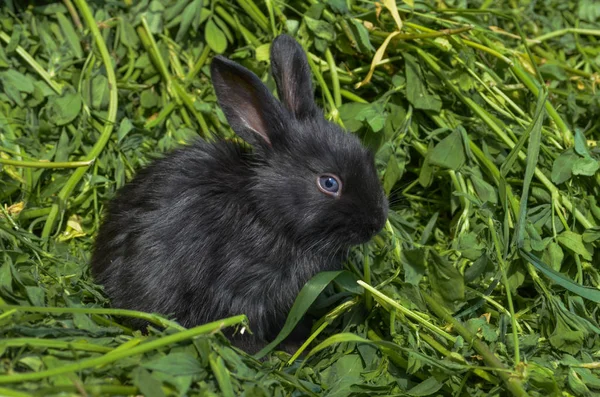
(143, 230)
(215, 230)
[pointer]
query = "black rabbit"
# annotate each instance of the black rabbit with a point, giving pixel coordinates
(214, 230)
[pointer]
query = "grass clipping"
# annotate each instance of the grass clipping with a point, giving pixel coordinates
(484, 123)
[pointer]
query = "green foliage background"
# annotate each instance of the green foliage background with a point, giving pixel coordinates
(484, 117)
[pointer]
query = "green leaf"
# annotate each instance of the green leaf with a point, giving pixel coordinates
(561, 169)
(554, 256)
(15, 37)
(263, 52)
(588, 10)
(51, 362)
(175, 10)
(63, 110)
(128, 36)
(349, 112)
(554, 72)
(480, 325)
(414, 265)
(124, 128)
(485, 191)
(3, 59)
(427, 231)
(190, 12)
(148, 385)
(13, 93)
(445, 279)
(149, 99)
(416, 91)
(362, 36)
(479, 267)
(581, 144)
(374, 114)
(543, 378)
(176, 364)
(99, 92)
(590, 235)
(449, 153)
(62, 148)
(574, 243)
(224, 28)
(221, 374)
(338, 6)
(426, 173)
(5, 275)
(36, 295)
(342, 374)
(566, 338)
(83, 321)
(321, 29)
(18, 80)
(154, 16)
(577, 385)
(70, 34)
(214, 37)
(426, 388)
(392, 175)
(585, 166)
(469, 246)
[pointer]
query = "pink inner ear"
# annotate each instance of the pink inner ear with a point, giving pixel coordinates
(289, 93)
(251, 116)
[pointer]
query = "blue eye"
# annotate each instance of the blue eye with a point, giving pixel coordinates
(329, 184)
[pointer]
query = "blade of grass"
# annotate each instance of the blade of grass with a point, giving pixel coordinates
(112, 357)
(307, 295)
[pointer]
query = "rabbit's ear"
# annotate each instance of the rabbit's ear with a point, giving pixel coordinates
(252, 112)
(291, 71)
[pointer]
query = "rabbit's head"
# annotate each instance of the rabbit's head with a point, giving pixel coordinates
(312, 179)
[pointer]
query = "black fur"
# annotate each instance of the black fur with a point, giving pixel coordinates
(213, 230)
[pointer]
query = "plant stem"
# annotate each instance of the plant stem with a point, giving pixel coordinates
(560, 32)
(34, 64)
(513, 384)
(335, 81)
(255, 13)
(199, 64)
(408, 313)
(511, 306)
(46, 164)
(231, 21)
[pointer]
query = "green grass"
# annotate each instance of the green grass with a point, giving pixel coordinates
(485, 122)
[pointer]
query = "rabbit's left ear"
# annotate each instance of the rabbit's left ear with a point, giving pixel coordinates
(252, 112)
(291, 71)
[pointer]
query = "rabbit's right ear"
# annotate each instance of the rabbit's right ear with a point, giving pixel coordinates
(252, 112)
(292, 75)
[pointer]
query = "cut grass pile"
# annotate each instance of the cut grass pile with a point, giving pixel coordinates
(484, 120)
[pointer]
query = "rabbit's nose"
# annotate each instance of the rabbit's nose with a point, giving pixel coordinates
(380, 220)
(376, 224)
